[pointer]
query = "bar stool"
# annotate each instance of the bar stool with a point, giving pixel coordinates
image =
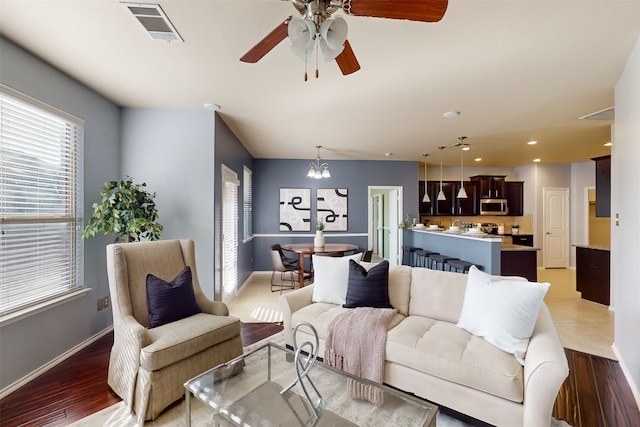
(460, 266)
(437, 262)
(408, 254)
(422, 257)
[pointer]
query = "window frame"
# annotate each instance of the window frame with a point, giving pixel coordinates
(72, 218)
(247, 204)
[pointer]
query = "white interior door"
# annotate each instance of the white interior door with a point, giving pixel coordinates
(378, 225)
(395, 216)
(555, 249)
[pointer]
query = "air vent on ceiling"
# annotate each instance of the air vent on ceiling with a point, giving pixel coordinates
(154, 21)
(606, 114)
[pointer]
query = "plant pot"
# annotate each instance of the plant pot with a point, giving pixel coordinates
(514, 230)
(318, 241)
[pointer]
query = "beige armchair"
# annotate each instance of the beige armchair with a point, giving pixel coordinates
(148, 367)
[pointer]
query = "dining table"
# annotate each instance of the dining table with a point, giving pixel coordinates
(308, 249)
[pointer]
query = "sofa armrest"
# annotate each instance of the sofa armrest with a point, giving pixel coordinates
(545, 370)
(212, 307)
(289, 304)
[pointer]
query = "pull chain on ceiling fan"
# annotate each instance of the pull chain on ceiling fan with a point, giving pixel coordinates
(316, 28)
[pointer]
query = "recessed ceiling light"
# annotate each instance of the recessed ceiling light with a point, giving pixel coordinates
(451, 114)
(477, 159)
(608, 144)
(211, 107)
(537, 160)
(532, 142)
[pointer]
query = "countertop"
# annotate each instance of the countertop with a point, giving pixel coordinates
(597, 248)
(480, 236)
(507, 247)
(510, 247)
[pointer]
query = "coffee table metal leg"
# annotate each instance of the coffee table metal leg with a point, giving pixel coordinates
(187, 400)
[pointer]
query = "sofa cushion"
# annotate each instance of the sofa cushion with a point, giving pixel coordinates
(368, 288)
(437, 294)
(502, 311)
(320, 316)
(399, 286)
(331, 278)
(443, 350)
(170, 301)
(176, 341)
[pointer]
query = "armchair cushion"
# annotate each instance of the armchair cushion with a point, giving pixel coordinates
(176, 341)
(170, 301)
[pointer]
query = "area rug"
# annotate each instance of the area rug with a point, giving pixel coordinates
(119, 415)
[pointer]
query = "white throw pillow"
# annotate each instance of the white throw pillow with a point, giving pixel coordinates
(501, 310)
(331, 278)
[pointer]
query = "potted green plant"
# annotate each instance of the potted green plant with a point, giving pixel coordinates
(515, 229)
(127, 210)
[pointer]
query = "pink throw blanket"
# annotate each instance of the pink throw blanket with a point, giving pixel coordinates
(356, 344)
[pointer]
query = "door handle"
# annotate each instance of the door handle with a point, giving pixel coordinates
(548, 232)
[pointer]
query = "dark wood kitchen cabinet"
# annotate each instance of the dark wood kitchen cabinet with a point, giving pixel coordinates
(490, 186)
(593, 266)
(514, 192)
(452, 205)
(603, 186)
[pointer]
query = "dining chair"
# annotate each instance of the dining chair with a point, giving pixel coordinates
(284, 267)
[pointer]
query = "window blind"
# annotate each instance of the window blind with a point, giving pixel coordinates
(230, 185)
(247, 203)
(41, 254)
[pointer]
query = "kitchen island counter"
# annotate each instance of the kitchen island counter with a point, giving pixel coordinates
(489, 251)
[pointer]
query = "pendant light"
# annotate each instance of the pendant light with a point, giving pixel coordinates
(426, 198)
(462, 193)
(318, 170)
(441, 195)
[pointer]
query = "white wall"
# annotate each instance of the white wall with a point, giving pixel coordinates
(583, 176)
(625, 175)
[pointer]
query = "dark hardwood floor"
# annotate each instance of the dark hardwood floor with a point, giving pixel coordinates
(595, 393)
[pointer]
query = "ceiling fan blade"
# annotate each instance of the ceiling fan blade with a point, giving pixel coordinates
(413, 10)
(265, 45)
(347, 60)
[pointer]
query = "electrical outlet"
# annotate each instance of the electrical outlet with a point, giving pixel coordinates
(103, 303)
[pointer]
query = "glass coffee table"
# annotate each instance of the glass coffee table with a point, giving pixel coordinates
(247, 392)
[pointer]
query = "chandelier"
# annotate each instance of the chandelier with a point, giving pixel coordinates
(318, 170)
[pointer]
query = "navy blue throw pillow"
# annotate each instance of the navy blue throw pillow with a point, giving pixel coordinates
(368, 288)
(170, 301)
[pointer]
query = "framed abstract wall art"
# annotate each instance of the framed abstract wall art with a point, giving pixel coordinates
(332, 207)
(295, 209)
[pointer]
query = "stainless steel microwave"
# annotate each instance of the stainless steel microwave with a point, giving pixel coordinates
(494, 207)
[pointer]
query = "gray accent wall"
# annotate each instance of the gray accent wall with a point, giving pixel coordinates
(272, 174)
(179, 154)
(231, 153)
(28, 344)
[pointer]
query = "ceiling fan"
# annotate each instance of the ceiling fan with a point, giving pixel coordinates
(315, 27)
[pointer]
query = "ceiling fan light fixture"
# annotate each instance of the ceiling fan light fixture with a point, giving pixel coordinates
(329, 54)
(302, 33)
(334, 32)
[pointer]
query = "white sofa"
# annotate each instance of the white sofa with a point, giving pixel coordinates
(429, 356)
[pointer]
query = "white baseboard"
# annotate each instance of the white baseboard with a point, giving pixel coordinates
(634, 387)
(41, 370)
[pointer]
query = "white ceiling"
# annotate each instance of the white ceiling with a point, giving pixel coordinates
(517, 70)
